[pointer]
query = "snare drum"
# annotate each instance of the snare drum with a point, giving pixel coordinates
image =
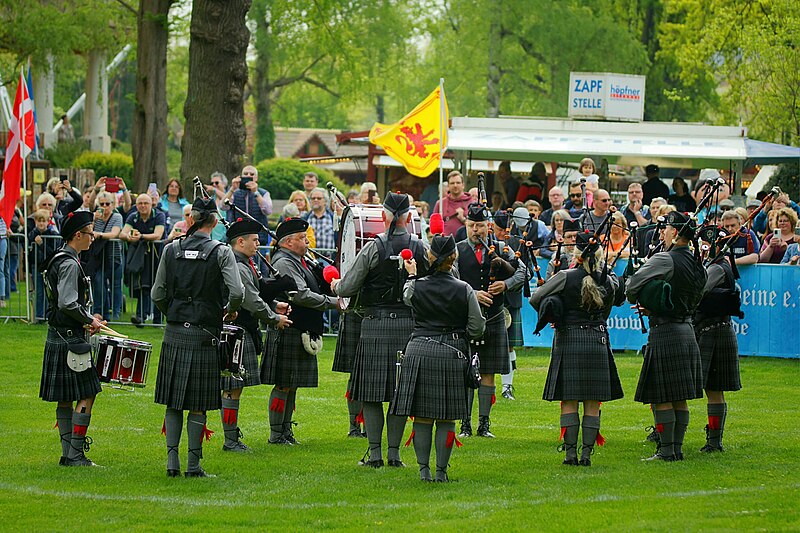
(123, 361)
(231, 345)
(360, 224)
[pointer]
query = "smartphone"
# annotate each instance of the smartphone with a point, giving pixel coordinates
(152, 188)
(245, 181)
(64, 178)
(777, 233)
(112, 184)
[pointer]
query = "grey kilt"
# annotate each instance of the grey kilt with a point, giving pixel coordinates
(515, 329)
(582, 366)
(432, 379)
(285, 362)
(250, 363)
(719, 351)
(59, 383)
(493, 351)
(188, 369)
(347, 343)
(383, 333)
(672, 370)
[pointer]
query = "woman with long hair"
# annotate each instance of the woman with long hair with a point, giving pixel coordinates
(172, 202)
(617, 237)
(582, 367)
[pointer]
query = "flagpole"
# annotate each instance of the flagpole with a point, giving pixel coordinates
(442, 126)
(24, 198)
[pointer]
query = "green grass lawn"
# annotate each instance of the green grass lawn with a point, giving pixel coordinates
(515, 481)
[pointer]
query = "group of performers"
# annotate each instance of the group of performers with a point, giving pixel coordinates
(417, 316)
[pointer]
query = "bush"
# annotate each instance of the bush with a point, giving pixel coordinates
(282, 176)
(113, 164)
(63, 154)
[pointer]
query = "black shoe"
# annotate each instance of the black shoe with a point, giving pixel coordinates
(483, 428)
(289, 438)
(679, 456)
(173, 473)
(280, 440)
(653, 436)
(396, 463)
(198, 473)
(62, 461)
(354, 433)
(377, 463)
(81, 460)
(508, 392)
(710, 448)
(658, 457)
(136, 321)
(571, 461)
(585, 462)
(466, 429)
(238, 446)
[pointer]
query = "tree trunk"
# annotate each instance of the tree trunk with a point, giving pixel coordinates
(265, 130)
(493, 70)
(149, 135)
(214, 138)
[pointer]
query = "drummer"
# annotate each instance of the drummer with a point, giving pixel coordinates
(64, 379)
(242, 236)
(192, 281)
(377, 278)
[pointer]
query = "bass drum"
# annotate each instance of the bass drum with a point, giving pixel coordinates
(359, 225)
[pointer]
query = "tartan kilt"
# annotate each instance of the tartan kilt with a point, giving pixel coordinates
(285, 362)
(672, 370)
(719, 351)
(582, 366)
(188, 370)
(375, 363)
(347, 342)
(250, 362)
(515, 336)
(493, 350)
(432, 379)
(59, 383)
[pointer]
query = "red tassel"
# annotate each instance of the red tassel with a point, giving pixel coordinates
(360, 417)
(660, 428)
(600, 440)
(164, 428)
(563, 431)
(347, 395)
(79, 430)
(408, 442)
(494, 399)
(451, 438)
(714, 422)
(207, 433)
(54, 427)
(230, 416)
(277, 405)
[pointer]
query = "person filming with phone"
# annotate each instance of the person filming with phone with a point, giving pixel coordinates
(250, 198)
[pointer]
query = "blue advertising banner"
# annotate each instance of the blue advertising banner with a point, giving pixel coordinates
(770, 301)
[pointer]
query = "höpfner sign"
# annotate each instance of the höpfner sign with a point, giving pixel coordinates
(604, 95)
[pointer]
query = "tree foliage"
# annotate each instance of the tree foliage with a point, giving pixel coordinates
(282, 176)
(787, 179)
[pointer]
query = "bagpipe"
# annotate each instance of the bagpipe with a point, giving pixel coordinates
(500, 269)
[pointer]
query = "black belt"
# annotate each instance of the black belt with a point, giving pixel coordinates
(449, 334)
(213, 341)
(659, 320)
(69, 332)
(705, 326)
(387, 312)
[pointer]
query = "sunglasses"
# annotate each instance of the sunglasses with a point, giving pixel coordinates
(575, 195)
(317, 198)
(604, 200)
(216, 183)
(104, 204)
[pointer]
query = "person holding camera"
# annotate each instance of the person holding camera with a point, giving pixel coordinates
(250, 198)
(117, 187)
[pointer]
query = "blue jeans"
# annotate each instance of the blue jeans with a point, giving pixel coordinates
(3, 258)
(41, 297)
(13, 266)
(107, 291)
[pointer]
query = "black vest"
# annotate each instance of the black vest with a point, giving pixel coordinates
(56, 317)
(574, 312)
(303, 318)
(244, 318)
(477, 275)
(196, 291)
(688, 280)
(383, 286)
(440, 305)
(715, 303)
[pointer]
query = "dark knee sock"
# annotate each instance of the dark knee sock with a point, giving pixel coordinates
(195, 424)
(485, 399)
(470, 401)
(681, 423)
(665, 425)
(64, 420)
(173, 424)
(277, 407)
(591, 427)
(373, 423)
(288, 413)
(423, 436)
(395, 426)
(80, 423)
(353, 408)
(570, 426)
(716, 423)
(445, 439)
(230, 420)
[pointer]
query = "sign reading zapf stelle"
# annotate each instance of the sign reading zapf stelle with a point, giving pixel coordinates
(606, 96)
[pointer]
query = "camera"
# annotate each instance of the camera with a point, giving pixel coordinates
(244, 181)
(112, 184)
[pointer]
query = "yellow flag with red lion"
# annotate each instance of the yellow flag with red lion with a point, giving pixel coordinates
(415, 140)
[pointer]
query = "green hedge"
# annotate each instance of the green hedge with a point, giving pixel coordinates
(113, 164)
(282, 176)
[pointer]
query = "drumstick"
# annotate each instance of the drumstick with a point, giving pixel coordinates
(109, 331)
